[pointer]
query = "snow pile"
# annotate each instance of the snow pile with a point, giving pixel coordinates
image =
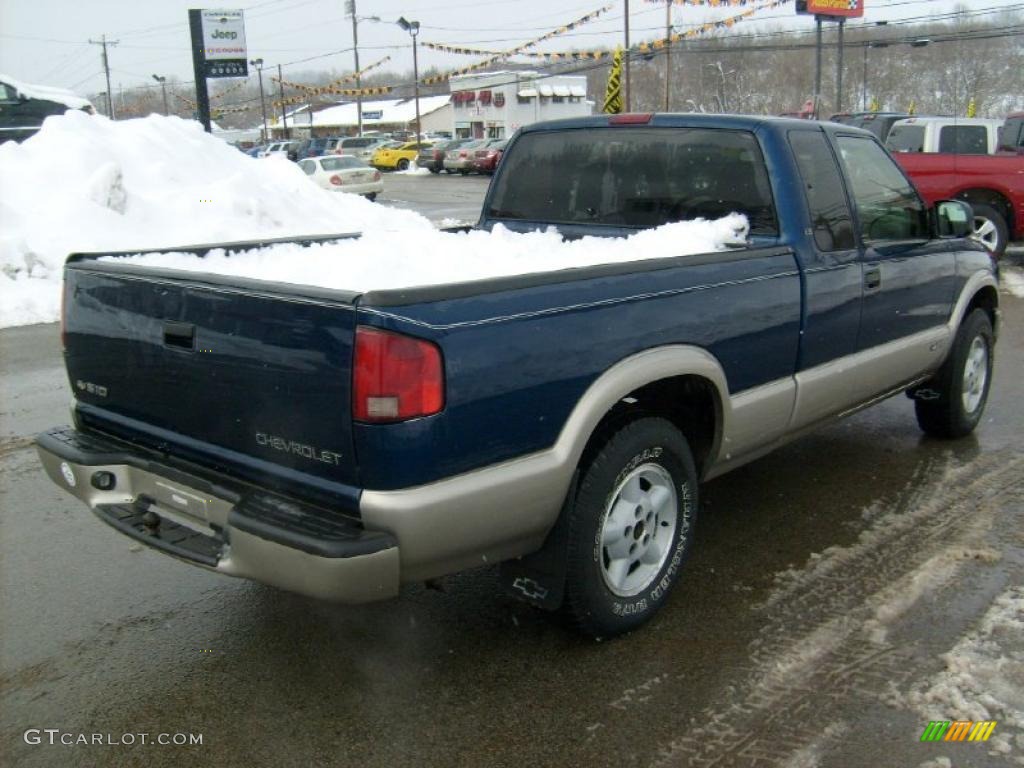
(382, 260)
(984, 676)
(413, 170)
(84, 183)
(1013, 280)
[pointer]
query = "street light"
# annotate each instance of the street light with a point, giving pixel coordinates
(258, 63)
(163, 87)
(413, 28)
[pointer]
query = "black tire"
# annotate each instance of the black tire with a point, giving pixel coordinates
(403, 164)
(371, 196)
(435, 170)
(591, 604)
(940, 403)
(990, 229)
(464, 173)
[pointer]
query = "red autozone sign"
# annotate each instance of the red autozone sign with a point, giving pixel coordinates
(846, 8)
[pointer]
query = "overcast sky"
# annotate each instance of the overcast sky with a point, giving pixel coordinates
(46, 41)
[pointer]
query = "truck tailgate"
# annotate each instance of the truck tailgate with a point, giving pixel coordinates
(236, 376)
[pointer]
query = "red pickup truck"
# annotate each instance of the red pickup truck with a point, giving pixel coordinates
(992, 184)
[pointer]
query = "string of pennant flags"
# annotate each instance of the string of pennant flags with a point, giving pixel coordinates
(434, 79)
(214, 111)
(709, 3)
(645, 47)
(380, 90)
(752, 7)
(326, 88)
(232, 89)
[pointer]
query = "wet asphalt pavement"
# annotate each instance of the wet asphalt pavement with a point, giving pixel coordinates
(827, 581)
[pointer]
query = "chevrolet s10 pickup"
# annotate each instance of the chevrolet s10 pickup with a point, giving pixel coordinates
(339, 443)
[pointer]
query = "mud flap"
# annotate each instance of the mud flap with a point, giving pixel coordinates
(539, 578)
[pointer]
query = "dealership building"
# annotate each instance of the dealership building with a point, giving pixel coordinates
(487, 105)
(495, 104)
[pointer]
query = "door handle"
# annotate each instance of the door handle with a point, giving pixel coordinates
(873, 279)
(182, 335)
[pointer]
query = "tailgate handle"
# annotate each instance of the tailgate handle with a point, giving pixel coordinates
(182, 335)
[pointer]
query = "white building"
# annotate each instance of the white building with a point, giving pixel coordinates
(495, 104)
(385, 116)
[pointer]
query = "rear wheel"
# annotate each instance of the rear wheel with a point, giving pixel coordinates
(403, 164)
(371, 196)
(630, 528)
(990, 228)
(951, 404)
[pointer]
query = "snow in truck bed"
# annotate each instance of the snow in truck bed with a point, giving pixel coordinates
(84, 183)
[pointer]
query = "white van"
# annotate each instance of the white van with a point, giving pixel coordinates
(955, 135)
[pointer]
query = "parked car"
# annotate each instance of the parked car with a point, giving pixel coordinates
(361, 147)
(954, 135)
(1011, 135)
(485, 160)
(316, 147)
(879, 123)
(992, 184)
(558, 422)
(432, 157)
(397, 158)
(286, 148)
(23, 107)
(460, 159)
(344, 173)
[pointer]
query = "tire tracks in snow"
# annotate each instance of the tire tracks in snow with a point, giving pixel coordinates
(825, 636)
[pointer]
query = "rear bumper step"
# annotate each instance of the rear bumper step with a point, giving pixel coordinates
(229, 528)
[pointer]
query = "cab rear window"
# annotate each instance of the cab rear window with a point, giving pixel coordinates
(641, 177)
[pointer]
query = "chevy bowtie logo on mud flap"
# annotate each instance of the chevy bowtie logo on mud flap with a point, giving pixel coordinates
(529, 588)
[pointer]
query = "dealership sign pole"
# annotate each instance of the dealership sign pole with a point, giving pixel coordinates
(830, 10)
(218, 50)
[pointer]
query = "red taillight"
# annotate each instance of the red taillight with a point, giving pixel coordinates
(631, 118)
(395, 377)
(336, 180)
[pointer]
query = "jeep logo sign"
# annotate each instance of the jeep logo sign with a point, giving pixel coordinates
(224, 44)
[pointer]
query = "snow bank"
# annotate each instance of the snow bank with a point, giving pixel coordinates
(84, 183)
(413, 170)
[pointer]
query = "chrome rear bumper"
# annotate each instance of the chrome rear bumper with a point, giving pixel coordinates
(229, 529)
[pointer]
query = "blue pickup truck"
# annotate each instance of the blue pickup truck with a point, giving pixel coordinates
(339, 444)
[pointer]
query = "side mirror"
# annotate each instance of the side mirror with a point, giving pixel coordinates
(955, 218)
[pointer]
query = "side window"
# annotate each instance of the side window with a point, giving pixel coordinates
(906, 138)
(823, 190)
(964, 139)
(887, 206)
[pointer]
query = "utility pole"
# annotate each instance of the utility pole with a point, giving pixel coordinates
(280, 90)
(258, 63)
(163, 87)
(817, 67)
(628, 93)
(413, 28)
(668, 49)
(839, 68)
(106, 68)
(350, 7)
